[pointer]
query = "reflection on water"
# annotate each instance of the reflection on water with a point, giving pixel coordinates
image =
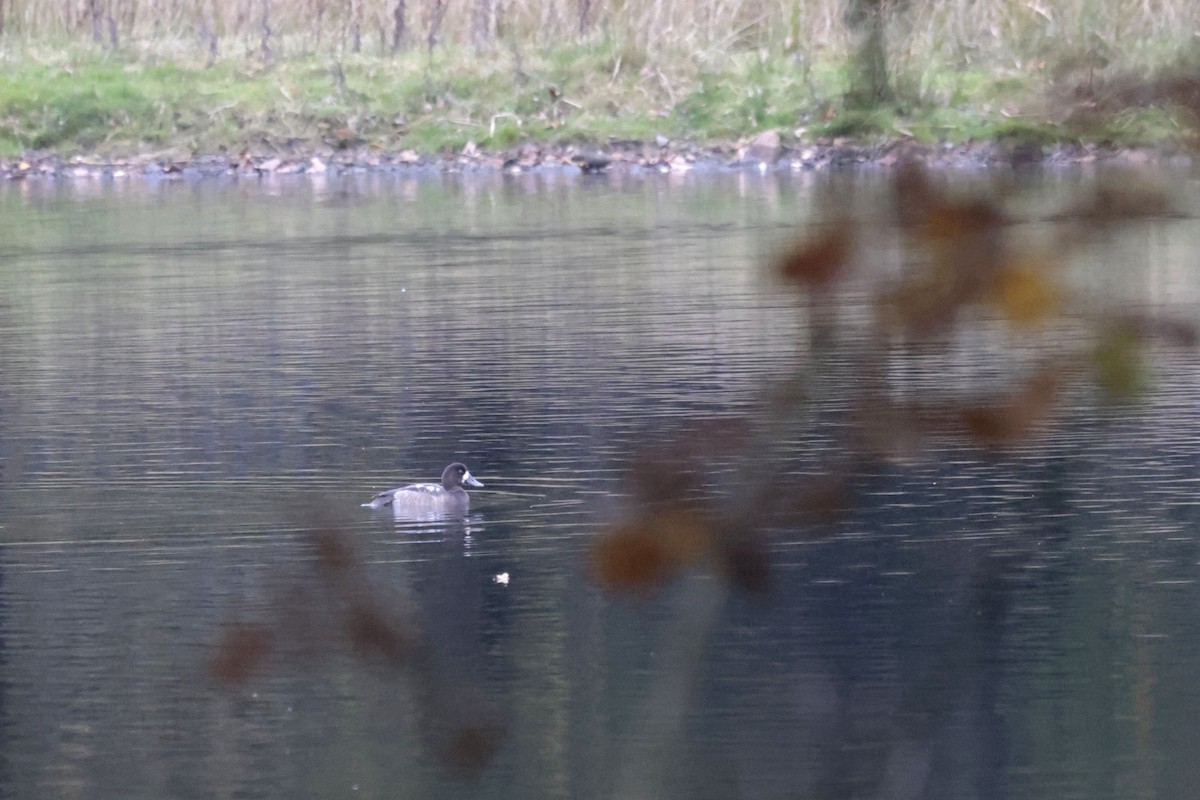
(197, 377)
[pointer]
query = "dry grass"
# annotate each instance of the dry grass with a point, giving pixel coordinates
(1071, 33)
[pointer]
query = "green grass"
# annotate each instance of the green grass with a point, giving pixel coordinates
(49, 107)
(74, 99)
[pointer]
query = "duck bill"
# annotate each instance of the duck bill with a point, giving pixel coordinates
(469, 479)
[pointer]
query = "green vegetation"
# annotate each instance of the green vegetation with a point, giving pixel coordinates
(123, 77)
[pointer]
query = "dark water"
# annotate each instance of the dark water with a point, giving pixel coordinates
(195, 377)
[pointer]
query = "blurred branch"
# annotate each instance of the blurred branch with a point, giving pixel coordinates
(964, 265)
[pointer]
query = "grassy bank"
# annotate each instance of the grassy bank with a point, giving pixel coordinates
(119, 78)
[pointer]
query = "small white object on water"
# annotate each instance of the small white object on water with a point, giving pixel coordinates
(501, 579)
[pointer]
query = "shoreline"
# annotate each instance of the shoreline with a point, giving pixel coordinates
(764, 153)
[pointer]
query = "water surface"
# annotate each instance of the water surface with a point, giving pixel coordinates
(196, 376)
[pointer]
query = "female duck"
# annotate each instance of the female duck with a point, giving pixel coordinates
(448, 499)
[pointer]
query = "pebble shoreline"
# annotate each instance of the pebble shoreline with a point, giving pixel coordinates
(764, 153)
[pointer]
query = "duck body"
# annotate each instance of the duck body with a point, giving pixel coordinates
(445, 499)
(591, 163)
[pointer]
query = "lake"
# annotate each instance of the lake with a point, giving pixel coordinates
(203, 380)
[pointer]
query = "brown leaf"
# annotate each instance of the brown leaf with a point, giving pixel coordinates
(1017, 415)
(957, 220)
(920, 306)
(816, 263)
(333, 552)
(241, 649)
(651, 550)
(744, 564)
(825, 501)
(912, 193)
(372, 633)
(630, 561)
(471, 748)
(1177, 332)
(1124, 200)
(674, 471)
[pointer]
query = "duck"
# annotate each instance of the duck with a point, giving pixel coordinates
(591, 163)
(445, 499)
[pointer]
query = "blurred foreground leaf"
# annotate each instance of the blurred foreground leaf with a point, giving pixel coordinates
(239, 652)
(650, 551)
(1016, 416)
(331, 607)
(959, 256)
(817, 262)
(1024, 293)
(1119, 363)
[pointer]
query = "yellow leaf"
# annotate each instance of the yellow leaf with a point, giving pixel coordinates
(1024, 294)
